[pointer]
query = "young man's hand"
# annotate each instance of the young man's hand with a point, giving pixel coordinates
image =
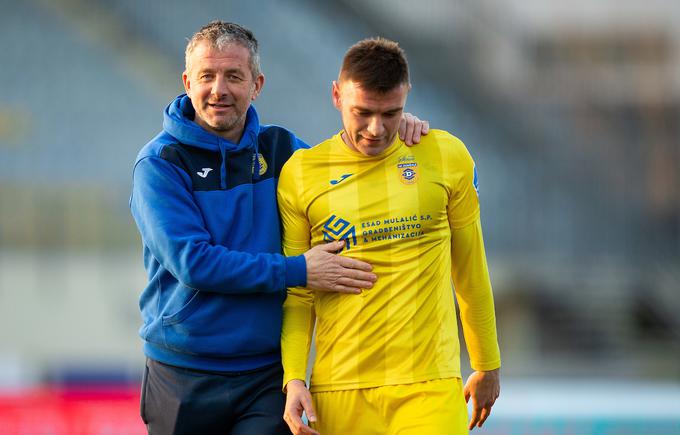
(484, 388)
(411, 128)
(298, 399)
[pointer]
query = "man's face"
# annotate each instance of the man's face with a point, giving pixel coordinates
(221, 87)
(370, 119)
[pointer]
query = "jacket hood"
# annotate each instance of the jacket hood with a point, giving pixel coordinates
(178, 121)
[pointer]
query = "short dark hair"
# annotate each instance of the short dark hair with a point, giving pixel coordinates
(376, 64)
(221, 33)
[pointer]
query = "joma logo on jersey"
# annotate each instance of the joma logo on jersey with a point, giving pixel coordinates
(342, 177)
(337, 228)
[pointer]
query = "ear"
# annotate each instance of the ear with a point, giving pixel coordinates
(186, 81)
(336, 95)
(259, 84)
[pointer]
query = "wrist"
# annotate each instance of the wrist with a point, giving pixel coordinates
(294, 384)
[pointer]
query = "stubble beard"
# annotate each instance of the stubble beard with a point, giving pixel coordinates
(227, 125)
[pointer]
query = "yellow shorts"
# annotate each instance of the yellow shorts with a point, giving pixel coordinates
(431, 407)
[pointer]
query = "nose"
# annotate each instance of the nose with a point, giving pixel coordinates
(219, 87)
(375, 127)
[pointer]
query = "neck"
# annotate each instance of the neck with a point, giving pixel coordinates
(347, 142)
(373, 152)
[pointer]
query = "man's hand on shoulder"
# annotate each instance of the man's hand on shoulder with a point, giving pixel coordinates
(327, 271)
(484, 388)
(298, 399)
(411, 128)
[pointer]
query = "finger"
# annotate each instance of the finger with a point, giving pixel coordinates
(473, 420)
(351, 263)
(475, 415)
(426, 128)
(486, 411)
(333, 246)
(293, 421)
(355, 283)
(306, 430)
(410, 123)
(338, 288)
(358, 275)
(417, 132)
(402, 127)
(309, 408)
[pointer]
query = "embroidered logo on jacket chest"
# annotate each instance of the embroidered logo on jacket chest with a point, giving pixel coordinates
(261, 162)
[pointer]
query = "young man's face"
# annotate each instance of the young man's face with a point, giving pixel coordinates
(370, 119)
(221, 87)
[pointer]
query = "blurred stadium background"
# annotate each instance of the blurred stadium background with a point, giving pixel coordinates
(570, 109)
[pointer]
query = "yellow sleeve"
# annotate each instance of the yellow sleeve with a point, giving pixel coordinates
(463, 207)
(469, 269)
(298, 309)
(473, 292)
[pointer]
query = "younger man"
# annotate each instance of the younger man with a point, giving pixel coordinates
(388, 358)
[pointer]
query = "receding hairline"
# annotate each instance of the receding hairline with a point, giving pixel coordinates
(220, 34)
(207, 44)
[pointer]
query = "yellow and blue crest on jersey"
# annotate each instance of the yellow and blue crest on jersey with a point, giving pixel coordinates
(408, 169)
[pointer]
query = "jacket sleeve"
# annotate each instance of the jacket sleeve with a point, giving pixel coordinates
(298, 309)
(172, 228)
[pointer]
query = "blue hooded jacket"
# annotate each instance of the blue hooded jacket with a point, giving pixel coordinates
(206, 211)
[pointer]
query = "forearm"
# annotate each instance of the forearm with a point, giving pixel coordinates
(217, 269)
(173, 229)
(193, 260)
(473, 291)
(296, 333)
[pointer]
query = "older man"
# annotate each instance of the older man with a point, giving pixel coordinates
(204, 199)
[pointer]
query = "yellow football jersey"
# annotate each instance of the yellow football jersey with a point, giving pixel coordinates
(396, 211)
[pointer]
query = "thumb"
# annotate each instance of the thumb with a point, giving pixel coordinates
(466, 392)
(309, 410)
